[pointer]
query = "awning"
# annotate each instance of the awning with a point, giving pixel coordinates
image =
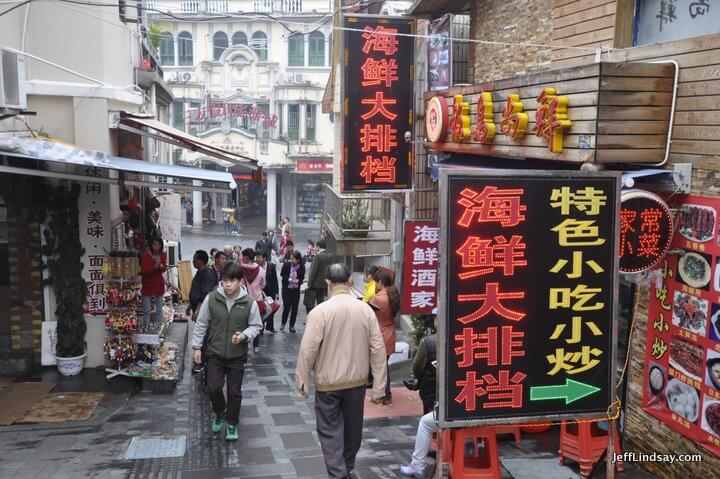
(36, 152)
(147, 126)
(438, 8)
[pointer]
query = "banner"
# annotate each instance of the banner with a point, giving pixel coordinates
(529, 275)
(420, 266)
(682, 358)
(378, 104)
(438, 51)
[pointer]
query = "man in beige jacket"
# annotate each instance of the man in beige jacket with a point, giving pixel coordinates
(342, 341)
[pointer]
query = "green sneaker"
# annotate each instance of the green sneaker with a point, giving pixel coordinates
(218, 423)
(231, 433)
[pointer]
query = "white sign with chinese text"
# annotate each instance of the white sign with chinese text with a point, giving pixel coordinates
(666, 20)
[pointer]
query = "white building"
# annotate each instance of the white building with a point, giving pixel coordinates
(253, 83)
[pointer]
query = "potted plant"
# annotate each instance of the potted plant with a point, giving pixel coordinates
(356, 218)
(63, 254)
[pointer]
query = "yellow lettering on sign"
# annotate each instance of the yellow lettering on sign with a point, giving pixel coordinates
(460, 122)
(514, 121)
(485, 124)
(551, 120)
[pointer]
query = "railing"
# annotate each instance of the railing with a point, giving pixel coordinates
(283, 6)
(357, 215)
(217, 6)
(210, 6)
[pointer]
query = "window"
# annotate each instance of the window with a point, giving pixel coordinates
(310, 111)
(280, 131)
(460, 50)
(179, 115)
(239, 38)
(185, 49)
(294, 122)
(316, 48)
(220, 44)
(167, 49)
(259, 45)
(296, 50)
(657, 22)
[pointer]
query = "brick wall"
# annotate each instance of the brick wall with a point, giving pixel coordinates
(26, 294)
(525, 21)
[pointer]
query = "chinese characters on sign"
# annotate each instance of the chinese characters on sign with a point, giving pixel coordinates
(645, 231)
(528, 296)
(682, 357)
(378, 73)
(95, 237)
(665, 20)
(217, 110)
(420, 267)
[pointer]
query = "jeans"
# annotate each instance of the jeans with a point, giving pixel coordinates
(147, 307)
(427, 427)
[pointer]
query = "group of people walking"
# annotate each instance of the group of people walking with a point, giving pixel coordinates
(345, 346)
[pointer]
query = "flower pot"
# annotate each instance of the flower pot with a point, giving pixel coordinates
(71, 366)
(357, 233)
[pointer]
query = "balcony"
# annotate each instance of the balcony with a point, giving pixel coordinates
(358, 224)
(278, 6)
(204, 6)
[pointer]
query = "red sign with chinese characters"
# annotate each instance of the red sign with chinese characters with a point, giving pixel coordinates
(314, 166)
(377, 104)
(420, 267)
(646, 227)
(682, 358)
(528, 296)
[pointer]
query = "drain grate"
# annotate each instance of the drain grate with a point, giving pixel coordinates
(156, 447)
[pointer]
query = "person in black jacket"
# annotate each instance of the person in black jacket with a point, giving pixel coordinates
(293, 274)
(424, 370)
(265, 245)
(203, 283)
(271, 289)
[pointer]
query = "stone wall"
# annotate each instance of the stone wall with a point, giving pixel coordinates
(512, 21)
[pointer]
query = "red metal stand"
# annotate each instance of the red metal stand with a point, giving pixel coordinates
(585, 443)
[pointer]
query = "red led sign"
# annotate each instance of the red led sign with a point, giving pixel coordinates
(645, 231)
(377, 104)
(527, 296)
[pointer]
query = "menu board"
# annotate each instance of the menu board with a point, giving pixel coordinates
(682, 358)
(527, 301)
(310, 201)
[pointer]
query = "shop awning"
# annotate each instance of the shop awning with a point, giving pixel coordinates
(152, 128)
(33, 153)
(438, 8)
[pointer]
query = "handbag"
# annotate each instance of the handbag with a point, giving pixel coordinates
(412, 384)
(309, 299)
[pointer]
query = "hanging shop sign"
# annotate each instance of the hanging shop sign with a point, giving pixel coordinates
(646, 227)
(314, 166)
(436, 119)
(420, 267)
(590, 113)
(216, 111)
(439, 53)
(377, 102)
(527, 295)
(682, 357)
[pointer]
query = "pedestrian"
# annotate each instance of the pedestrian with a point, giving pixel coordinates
(342, 341)
(292, 274)
(232, 220)
(221, 260)
(264, 244)
(202, 284)
(316, 278)
(274, 242)
(153, 265)
(226, 222)
(271, 288)
(284, 239)
(288, 252)
(237, 254)
(425, 371)
(230, 319)
(311, 251)
(211, 263)
(229, 252)
(386, 304)
(286, 227)
(253, 281)
(423, 439)
(189, 212)
(370, 283)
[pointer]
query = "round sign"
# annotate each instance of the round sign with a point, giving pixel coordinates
(225, 126)
(646, 228)
(436, 119)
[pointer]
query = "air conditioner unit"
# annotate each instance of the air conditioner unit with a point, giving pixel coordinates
(12, 80)
(187, 77)
(289, 78)
(298, 78)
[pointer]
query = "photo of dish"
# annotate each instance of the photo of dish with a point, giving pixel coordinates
(694, 270)
(712, 370)
(697, 222)
(716, 284)
(683, 399)
(690, 313)
(656, 379)
(715, 323)
(686, 357)
(711, 416)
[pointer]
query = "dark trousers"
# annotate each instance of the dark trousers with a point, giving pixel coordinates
(269, 326)
(320, 295)
(388, 391)
(339, 419)
(291, 302)
(217, 370)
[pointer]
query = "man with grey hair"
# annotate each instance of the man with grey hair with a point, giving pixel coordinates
(342, 341)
